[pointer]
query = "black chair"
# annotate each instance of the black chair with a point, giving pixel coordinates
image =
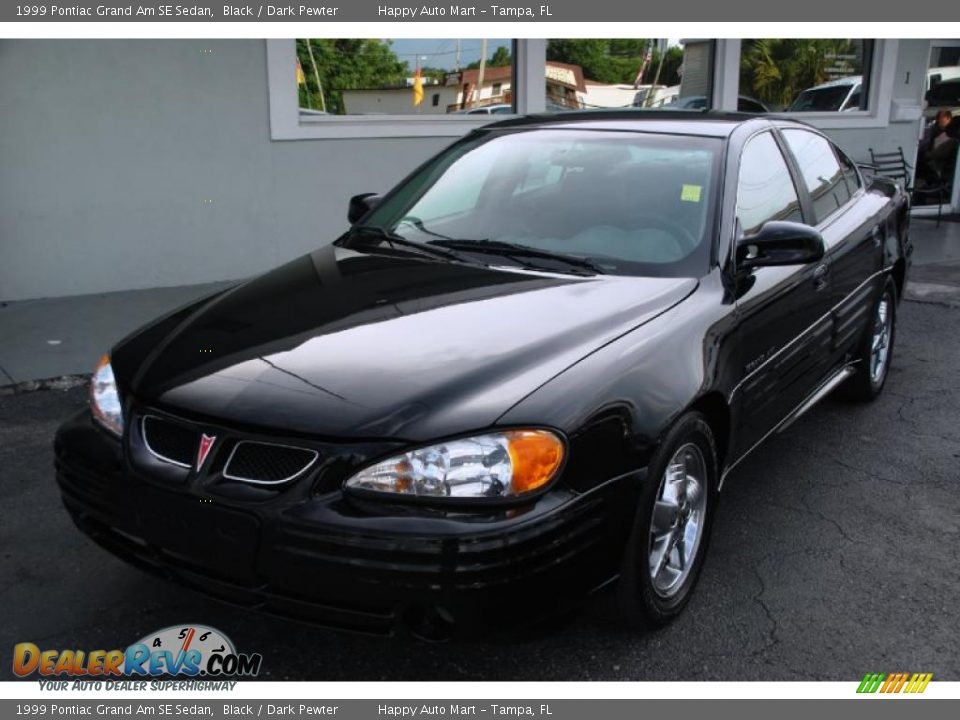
(894, 165)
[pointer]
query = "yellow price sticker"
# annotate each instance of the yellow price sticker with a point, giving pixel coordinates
(691, 193)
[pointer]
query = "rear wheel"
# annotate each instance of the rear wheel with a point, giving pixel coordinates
(672, 526)
(876, 349)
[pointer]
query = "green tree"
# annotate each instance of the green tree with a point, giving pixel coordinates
(345, 64)
(776, 71)
(615, 61)
(670, 73)
(501, 58)
(432, 73)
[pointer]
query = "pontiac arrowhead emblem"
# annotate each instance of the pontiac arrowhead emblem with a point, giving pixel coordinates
(206, 445)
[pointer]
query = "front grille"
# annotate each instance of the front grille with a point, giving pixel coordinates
(267, 464)
(170, 441)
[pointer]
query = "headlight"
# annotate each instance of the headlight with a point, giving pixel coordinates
(497, 465)
(104, 398)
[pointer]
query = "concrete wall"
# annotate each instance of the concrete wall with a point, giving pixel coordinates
(144, 163)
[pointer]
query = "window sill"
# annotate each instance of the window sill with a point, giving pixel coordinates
(287, 123)
(382, 126)
(834, 120)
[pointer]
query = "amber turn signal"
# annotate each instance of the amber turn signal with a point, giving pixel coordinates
(535, 456)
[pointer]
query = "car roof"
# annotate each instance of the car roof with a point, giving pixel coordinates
(670, 122)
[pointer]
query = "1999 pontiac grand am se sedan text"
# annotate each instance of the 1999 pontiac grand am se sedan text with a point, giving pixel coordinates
(522, 374)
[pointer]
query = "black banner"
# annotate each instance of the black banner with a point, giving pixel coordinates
(510, 11)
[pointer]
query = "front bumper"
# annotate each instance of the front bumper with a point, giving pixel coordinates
(340, 562)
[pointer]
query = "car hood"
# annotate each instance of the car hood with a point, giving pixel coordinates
(340, 343)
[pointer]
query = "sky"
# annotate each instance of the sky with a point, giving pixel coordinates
(442, 52)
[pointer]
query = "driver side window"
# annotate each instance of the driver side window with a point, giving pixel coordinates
(765, 189)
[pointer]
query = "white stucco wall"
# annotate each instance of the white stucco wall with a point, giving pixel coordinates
(145, 163)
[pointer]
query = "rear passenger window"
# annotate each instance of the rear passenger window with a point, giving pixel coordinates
(765, 191)
(849, 170)
(820, 170)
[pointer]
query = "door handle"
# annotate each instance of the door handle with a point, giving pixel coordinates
(821, 277)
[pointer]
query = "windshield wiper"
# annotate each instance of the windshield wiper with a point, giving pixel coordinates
(516, 250)
(418, 224)
(393, 240)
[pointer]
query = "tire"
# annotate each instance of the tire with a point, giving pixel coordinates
(866, 384)
(647, 599)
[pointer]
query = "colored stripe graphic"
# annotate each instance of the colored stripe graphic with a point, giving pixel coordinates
(870, 683)
(897, 682)
(894, 682)
(918, 683)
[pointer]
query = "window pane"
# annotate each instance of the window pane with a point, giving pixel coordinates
(820, 170)
(805, 75)
(584, 74)
(457, 190)
(638, 203)
(849, 169)
(766, 190)
(404, 76)
(939, 143)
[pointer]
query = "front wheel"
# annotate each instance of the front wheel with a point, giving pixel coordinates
(672, 527)
(876, 349)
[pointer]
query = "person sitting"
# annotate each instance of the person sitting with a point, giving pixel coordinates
(937, 151)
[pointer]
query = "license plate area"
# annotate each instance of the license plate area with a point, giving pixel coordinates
(202, 533)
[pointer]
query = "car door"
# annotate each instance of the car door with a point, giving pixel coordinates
(783, 313)
(852, 233)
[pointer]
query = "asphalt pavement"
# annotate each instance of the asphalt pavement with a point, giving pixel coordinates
(835, 553)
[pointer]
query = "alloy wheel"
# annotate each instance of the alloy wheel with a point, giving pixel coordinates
(678, 519)
(880, 342)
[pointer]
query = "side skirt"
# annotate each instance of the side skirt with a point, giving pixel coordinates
(816, 396)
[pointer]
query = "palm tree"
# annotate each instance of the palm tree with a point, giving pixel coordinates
(777, 70)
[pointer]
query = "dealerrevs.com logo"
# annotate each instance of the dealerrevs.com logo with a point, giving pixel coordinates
(184, 650)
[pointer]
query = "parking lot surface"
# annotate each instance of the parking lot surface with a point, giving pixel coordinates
(836, 551)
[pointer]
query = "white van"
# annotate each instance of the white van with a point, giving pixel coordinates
(834, 96)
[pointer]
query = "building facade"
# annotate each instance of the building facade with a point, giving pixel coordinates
(147, 163)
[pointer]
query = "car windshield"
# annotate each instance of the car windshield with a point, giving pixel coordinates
(825, 99)
(568, 200)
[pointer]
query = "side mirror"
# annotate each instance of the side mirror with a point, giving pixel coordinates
(360, 205)
(780, 243)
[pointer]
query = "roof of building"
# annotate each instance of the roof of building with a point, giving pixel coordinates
(489, 74)
(497, 74)
(575, 70)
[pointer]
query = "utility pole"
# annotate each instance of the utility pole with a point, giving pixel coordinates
(656, 77)
(483, 66)
(456, 63)
(316, 75)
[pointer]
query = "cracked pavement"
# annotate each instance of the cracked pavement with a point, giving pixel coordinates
(834, 553)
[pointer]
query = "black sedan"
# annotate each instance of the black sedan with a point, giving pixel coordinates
(524, 373)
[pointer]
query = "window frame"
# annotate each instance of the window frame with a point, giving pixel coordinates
(286, 122)
(530, 96)
(879, 85)
(801, 178)
(803, 198)
(799, 181)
